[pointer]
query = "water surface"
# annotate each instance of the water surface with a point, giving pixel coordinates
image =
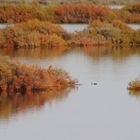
(134, 26)
(106, 111)
(80, 27)
(116, 6)
(74, 27)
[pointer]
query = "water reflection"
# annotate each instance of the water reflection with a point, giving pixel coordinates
(106, 109)
(71, 28)
(116, 6)
(33, 53)
(117, 53)
(134, 26)
(13, 103)
(135, 94)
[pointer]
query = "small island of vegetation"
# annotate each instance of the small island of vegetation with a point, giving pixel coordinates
(16, 77)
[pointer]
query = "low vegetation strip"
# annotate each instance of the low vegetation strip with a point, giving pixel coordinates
(17, 103)
(67, 13)
(39, 34)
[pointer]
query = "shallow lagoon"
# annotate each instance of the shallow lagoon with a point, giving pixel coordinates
(104, 111)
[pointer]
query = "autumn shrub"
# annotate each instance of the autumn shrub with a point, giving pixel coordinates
(50, 11)
(17, 77)
(14, 13)
(32, 34)
(122, 26)
(133, 8)
(87, 40)
(102, 33)
(52, 42)
(127, 17)
(81, 13)
(129, 14)
(135, 37)
(41, 27)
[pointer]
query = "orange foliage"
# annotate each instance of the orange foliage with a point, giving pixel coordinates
(17, 77)
(121, 25)
(102, 33)
(14, 13)
(129, 14)
(81, 13)
(33, 34)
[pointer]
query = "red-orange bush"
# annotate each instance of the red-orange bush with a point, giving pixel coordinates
(81, 13)
(102, 33)
(13, 13)
(33, 34)
(129, 14)
(16, 77)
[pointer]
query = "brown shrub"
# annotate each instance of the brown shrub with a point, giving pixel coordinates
(102, 33)
(14, 13)
(33, 34)
(17, 77)
(81, 13)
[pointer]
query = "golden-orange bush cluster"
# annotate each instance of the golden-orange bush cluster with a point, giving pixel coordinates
(17, 77)
(32, 34)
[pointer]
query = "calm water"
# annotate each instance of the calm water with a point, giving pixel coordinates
(2, 26)
(134, 26)
(71, 28)
(74, 27)
(116, 6)
(79, 27)
(106, 111)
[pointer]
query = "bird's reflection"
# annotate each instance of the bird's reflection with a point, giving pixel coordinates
(14, 103)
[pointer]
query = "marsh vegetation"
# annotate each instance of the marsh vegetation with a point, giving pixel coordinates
(95, 44)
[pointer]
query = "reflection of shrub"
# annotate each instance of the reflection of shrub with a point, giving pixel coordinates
(18, 77)
(17, 103)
